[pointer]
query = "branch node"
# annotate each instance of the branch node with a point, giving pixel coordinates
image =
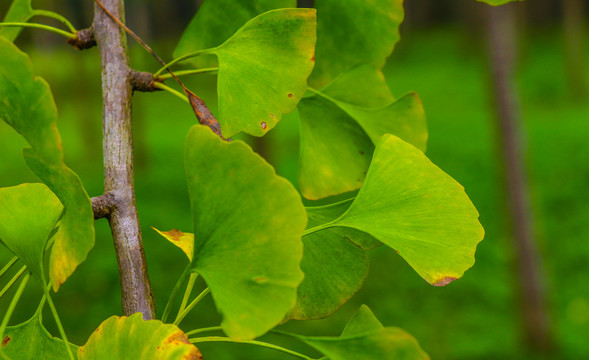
(103, 205)
(84, 39)
(142, 81)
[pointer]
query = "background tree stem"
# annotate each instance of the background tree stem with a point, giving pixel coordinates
(118, 161)
(503, 49)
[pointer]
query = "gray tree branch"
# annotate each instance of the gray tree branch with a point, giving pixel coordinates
(118, 161)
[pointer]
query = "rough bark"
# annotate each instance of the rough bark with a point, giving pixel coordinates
(502, 50)
(118, 161)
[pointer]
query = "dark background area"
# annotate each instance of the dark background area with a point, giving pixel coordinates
(443, 55)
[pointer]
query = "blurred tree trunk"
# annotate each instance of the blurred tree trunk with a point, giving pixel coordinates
(576, 63)
(502, 52)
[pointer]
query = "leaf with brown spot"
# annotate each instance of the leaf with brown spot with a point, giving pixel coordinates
(31, 341)
(411, 205)
(185, 241)
(123, 338)
(264, 61)
(248, 224)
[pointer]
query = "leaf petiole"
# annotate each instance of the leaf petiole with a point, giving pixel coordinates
(13, 304)
(175, 292)
(58, 323)
(56, 16)
(182, 58)
(176, 93)
(187, 293)
(251, 342)
(12, 281)
(8, 265)
(40, 26)
(207, 329)
(185, 312)
(188, 72)
(320, 227)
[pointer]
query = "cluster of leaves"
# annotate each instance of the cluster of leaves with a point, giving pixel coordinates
(252, 234)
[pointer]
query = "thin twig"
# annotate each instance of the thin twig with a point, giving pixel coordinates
(202, 112)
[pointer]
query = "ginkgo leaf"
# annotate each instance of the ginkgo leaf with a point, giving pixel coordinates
(343, 28)
(217, 20)
(28, 215)
(334, 153)
(123, 338)
(263, 70)
(363, 85)
(19, 11)
(319, 215)
(27, 105)
(334, 269)
(248, 224)
(337, 140)
(364, 338)
(404, 118)
(414, 207)
(183, 240)
(362, 322)
(31, 341)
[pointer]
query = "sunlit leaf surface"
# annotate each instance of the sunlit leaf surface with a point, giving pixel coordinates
(123, 338)
(248, 224)
(412, 206)
(263, 70)
(31, 341)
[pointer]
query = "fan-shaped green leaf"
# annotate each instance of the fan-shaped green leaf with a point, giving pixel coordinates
(364, 338)
(387, 344)
(27, 105)
(263, 70)
(411, 205)
(248, 224)
(334, 153)
(28, 215)
(343, 28)
(404, 118)
(337, 139)
(364, 85)
(319, 215)
(75, 236)
(31, 341)
(19, 11)
(217, 20)
(362, 322)
(123, 338)
(185, 241)
(334, 269)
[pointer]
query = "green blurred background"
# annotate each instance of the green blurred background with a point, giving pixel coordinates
(443, 56)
